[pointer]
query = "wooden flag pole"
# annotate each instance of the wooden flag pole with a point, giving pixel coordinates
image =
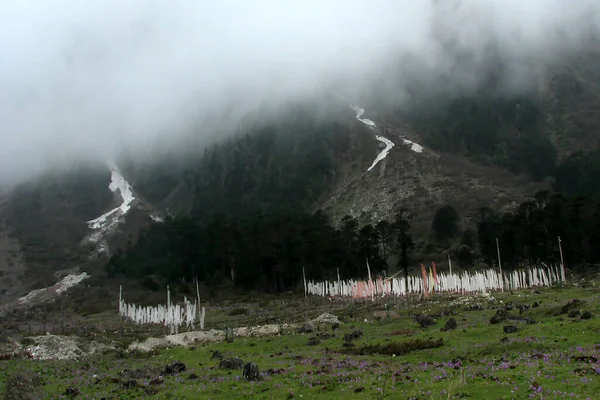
(304, 279)
(500, 266)
(562, 261)
(198, 298)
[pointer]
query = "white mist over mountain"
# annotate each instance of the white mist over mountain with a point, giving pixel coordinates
(80, 81)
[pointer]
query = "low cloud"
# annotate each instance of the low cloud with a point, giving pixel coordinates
(81, 81)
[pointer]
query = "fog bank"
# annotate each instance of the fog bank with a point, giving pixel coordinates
(82, 81)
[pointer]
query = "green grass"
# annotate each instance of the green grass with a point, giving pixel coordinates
(472, 362)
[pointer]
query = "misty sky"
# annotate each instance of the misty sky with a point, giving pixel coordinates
(81, 80)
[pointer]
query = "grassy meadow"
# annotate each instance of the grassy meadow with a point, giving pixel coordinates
(403, 353)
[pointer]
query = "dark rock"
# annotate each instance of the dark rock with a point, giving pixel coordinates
(510, 328)
(509, 307)
(174, 368)
(72, 391)
(251, 372)
(359, 389)
(504, 340)
(306, 328)
(335, 326)
(355, 334)
(586, 315)
(157, 381)
(325, 335)
(313, 341)
(574, 313)
(216, 355)
(571, 305)
(192, 377)
(535, 304)
(523, 307)
(425, 320)
(530, 321)
(500, 316)
(231, 363)
(450, 325)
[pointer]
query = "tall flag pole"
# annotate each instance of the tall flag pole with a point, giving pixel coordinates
(304, 278)
(370, 281)
(500, 266)
(562, 261)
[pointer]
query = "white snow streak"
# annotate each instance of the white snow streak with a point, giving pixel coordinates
(388, 146)
(388, 143)
(117, 183)
(46, 294)
(359, 112)
(107, 222)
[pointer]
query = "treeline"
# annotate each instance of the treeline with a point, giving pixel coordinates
(278, 167)
(490, 130)
(508, 132)
(268, 251)
(263, 251)
(530, 233)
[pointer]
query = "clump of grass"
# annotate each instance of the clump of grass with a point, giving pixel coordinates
(395, 348)
(238, 311)
(402, 332)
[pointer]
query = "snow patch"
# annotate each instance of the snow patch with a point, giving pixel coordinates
(49, 293)
(117, 183)
(417, 148)
(388, 146)
(57, 347)
(108, 221)
(156, 218)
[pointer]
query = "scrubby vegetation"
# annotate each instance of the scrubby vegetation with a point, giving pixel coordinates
(548, 354)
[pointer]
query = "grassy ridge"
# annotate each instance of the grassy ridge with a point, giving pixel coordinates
(555, 357)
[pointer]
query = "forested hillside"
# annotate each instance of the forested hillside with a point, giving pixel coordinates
(268, 251)
(243, 209)
(250, 200)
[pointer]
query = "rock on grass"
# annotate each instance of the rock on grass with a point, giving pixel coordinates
(251, 372)
(174, 368)
(586, 315)
(231, 363)
(450, 325)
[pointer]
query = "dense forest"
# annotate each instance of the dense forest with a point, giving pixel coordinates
(281, 166)
(250, 221)
(508, 132)
(269, 250)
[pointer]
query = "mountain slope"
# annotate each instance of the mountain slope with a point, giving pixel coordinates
(481, 149)
(63, 222)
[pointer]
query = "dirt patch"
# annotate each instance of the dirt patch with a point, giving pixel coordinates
(213, 335)
(56, 347)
